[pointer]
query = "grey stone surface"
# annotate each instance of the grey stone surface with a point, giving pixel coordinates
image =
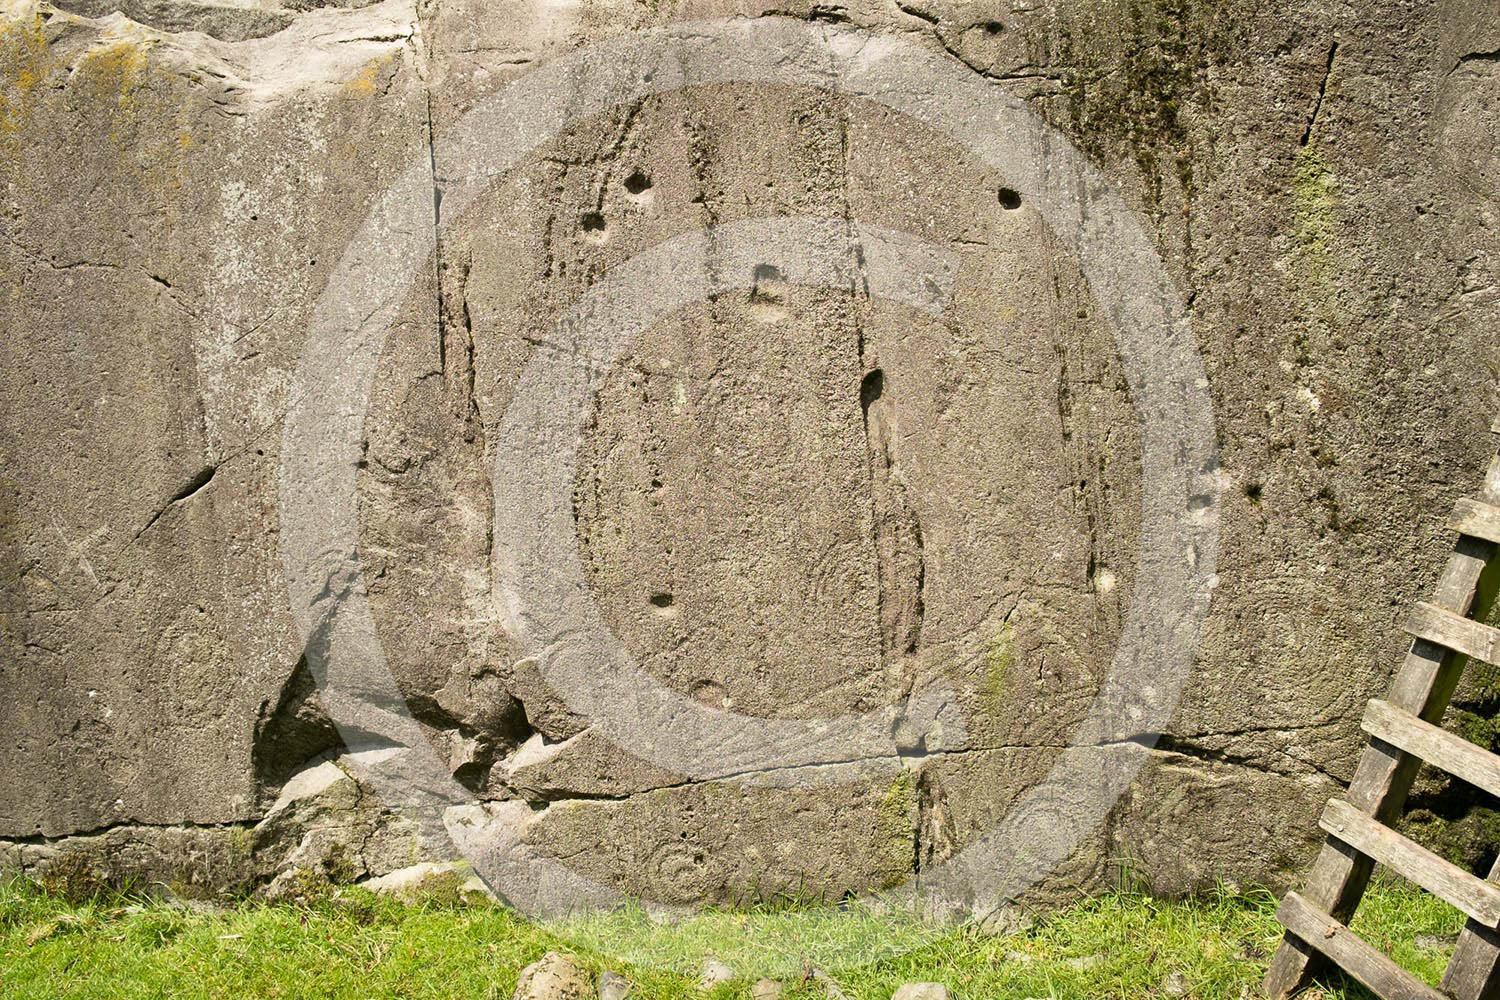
(713, 973)
(613, 986)
(921, 991)
(765, 989)
(768, 527)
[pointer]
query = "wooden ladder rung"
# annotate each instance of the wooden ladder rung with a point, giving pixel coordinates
(1476, 519)
(1382, 976)
(1474, 896)
(1452, 631)
(1436, 746)
(1422, 686)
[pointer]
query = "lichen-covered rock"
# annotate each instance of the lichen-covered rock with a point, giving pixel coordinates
(327, 824)
(554, 977)
(789, 502)
(185, 862)
(430, 881)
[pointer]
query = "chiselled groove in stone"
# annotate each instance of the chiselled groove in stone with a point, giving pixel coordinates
(1470, 57)
(898, 532)
(935, 840)
(437, 236)
(1312, 119)
(200, 480)
(917, 12)
(456, 324)
(1167, 744)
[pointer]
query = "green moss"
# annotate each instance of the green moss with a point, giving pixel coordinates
(306, 887)
(81, 875)
(447, 888)
(241, 843)
(898, 818)
(898, 805)
(999, 661)
(339, 867)
(1468, 841)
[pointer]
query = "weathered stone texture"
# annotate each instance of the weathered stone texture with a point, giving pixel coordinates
(790, 503)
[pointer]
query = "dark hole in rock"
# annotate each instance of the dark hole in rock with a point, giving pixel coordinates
(291, 733)
(1254, 491)
(661, 600)
(871, 389)
(593, 222)
(637, 182)
(993, 27)
(1010, 199)
(764, 273)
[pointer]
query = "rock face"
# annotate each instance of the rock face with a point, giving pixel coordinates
(789, 502)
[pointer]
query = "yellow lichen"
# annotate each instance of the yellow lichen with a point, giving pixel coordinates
(1313, 260)
(23, 65)
(117, 67)
(364, 84)
(1314, 198)
(117, 70)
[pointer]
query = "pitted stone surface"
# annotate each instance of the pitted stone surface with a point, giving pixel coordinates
(790, 503)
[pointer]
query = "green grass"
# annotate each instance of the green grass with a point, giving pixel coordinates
(352, 945)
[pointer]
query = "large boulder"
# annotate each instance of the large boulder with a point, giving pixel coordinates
(788, 502)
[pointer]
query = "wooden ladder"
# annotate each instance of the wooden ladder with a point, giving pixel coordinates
(1403, 732)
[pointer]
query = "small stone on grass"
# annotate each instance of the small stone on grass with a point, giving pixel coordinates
(765, 989)
(921, 991)
(554, 977)
(714, 973)
(1433, 942)
(613, 986)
